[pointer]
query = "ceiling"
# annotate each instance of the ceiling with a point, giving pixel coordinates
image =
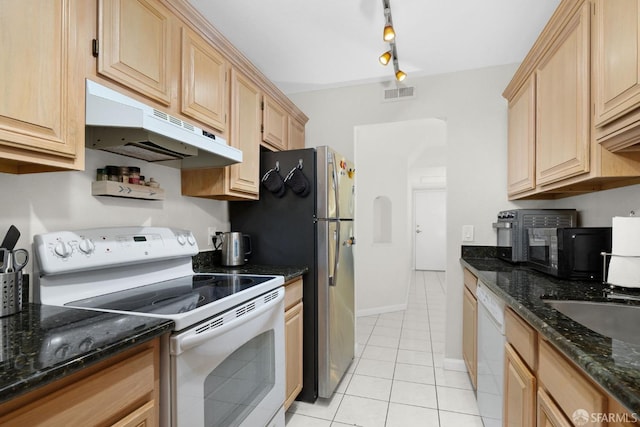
(304, 45)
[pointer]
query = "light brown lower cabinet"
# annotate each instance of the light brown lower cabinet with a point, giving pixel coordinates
(563, 390)
(519, 391)
(470, 335)
(293, 340)
(122, 391)
(470, 325)
(549, 415)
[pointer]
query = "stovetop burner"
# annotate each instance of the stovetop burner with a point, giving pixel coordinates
(174, 296)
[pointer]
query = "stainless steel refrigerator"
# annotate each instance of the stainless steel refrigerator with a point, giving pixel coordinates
(305, 216)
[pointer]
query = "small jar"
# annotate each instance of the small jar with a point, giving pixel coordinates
(112, 173)
(123, 174)
(134, 175)
(101, 174)
(153, 183)
(141, 181)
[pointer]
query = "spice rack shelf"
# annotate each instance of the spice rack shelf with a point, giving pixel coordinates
(131, 191)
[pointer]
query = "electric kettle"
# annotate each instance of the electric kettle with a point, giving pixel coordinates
(234, 247)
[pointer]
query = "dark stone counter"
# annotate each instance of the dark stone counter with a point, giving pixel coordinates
(204, 263)
(613, 364)
(42, 343)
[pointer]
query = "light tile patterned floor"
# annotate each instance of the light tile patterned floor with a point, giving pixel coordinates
(397, 377)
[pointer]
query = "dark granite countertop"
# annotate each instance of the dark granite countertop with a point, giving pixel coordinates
(613, 364)
(32, 343)
(204, 263)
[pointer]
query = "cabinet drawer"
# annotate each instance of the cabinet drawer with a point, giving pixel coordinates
(522, 337)
(470, 281)
(570, 389)
(104, 397)
(292, 293)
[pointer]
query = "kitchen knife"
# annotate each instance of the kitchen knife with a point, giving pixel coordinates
(11, 238)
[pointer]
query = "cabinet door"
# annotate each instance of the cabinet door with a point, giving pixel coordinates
(204, 88)
(616, 48)
(549, 415)
(519, 391)
(296, 134)
(521, 149)
(41, 118)
(293, 352)
(469, 334)
(274, 122)
(135, 46)
(245, 134)
(562, 104)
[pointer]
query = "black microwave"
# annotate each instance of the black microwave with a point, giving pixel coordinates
(569, 253)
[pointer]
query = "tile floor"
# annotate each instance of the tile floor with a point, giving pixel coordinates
(397, 377)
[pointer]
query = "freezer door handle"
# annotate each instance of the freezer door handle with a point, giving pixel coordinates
(334, 176)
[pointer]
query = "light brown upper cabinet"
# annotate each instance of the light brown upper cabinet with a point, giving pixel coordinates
(41, 116)
(562, 103)
(241, 180)
(616, 72)
(296, 134)
(135, 46)
(274, 122)
(204, 85)
(521, 148)
(552, 98)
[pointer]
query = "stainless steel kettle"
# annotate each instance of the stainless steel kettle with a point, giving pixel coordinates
(234, 247)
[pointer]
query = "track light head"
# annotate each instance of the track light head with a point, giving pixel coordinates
(388, 34)
(385, 58)
(400, 75)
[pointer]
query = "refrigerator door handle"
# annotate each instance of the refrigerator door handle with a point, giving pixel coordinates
(333, 279)
(334, 175)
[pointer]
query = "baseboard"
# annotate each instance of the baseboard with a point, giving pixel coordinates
(454, 365)
(381, 310)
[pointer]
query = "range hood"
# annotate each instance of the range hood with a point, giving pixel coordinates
(122, 125)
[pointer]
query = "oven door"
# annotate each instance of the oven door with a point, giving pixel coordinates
(230, 370)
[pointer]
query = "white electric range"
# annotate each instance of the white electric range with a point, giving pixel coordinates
(225, 357)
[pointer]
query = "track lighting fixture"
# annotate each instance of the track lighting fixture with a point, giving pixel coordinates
(389, 36)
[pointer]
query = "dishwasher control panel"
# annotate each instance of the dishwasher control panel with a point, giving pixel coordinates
(493, 304)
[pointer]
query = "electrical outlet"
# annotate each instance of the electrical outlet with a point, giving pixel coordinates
(211, 231)
(467, 233)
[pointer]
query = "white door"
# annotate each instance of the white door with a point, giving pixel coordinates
(430, 229)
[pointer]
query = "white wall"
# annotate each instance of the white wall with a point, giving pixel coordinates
(39, 203)
(476, 116)
(388, 157)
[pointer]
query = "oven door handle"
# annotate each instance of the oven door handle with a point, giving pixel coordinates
(194, 340)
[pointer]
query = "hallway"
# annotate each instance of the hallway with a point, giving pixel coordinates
(397, 379)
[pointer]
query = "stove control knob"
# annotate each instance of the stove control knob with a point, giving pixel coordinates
(191, 239)
(86, 344)
(86, 246)
(63, 250)
(63, 351)
(181, 239)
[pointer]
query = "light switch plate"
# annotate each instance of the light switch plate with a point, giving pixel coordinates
(467, 233)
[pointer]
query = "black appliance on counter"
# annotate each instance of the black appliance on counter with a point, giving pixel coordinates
(569, 253)
(512, 226)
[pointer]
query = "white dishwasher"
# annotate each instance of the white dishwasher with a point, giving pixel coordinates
(490, 356)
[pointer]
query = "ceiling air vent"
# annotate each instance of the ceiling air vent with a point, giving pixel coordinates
(399, 94)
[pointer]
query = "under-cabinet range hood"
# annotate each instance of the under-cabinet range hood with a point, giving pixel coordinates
(122, 125)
